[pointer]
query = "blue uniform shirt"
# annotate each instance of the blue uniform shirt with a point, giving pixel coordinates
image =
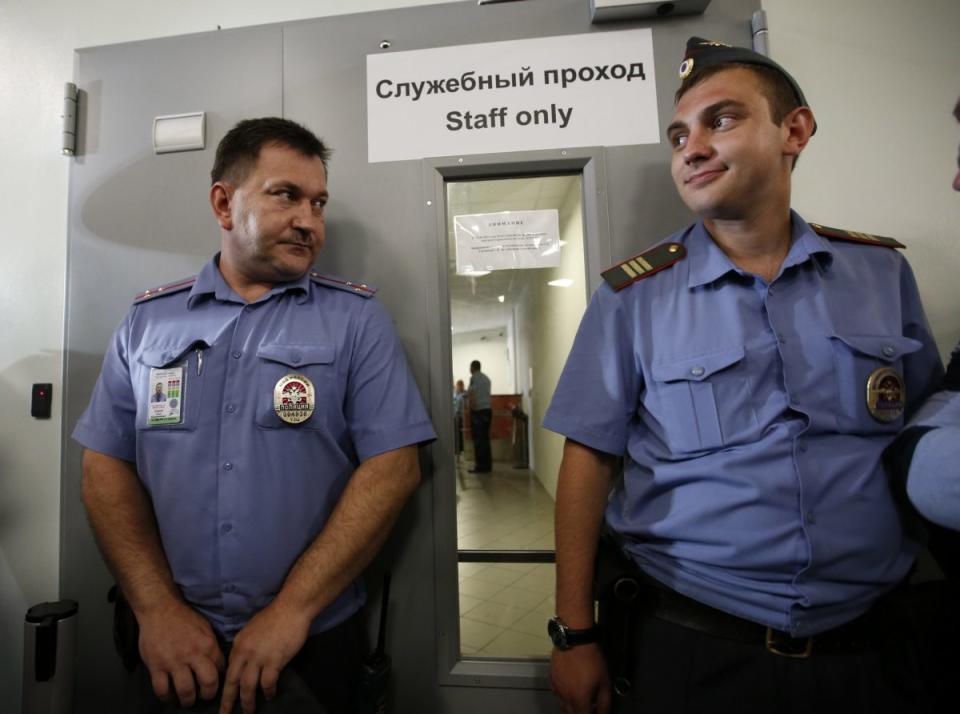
(752, 474)
(933, 483)
(238, 493)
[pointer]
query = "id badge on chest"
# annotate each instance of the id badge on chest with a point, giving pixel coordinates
(166, 396)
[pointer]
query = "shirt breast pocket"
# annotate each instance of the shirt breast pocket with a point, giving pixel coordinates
(702, 402)
(315, 362)
(856, 358)
(169, 387)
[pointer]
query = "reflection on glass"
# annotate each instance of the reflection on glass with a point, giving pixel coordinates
(515, 306)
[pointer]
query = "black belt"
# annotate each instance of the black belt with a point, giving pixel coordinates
(867, 632)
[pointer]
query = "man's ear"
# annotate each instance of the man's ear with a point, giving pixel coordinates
(799, 126)
(221, 198)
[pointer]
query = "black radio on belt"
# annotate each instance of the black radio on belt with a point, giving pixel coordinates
(372, 695)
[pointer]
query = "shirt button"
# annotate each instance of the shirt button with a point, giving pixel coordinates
(226, 527)
(811, 518)
(236, 355)
(295, 358)
(231, 409)
(802, 445)
(781, 339)
(697, 371)
(888, 351)
(230, 588)
(227, 465)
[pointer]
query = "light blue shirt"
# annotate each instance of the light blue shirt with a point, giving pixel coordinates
(752, 473)
(933, 482)
(238, 493)
(479, 391)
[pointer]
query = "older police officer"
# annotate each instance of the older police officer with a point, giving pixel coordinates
(749, 370)
(245, 506)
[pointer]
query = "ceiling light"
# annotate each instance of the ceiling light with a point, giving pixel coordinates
(501, 298)
(561, 283)
(475, 273)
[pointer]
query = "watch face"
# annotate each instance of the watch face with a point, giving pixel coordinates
(557, 633)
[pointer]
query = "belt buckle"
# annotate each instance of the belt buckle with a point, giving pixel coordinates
(798, 648)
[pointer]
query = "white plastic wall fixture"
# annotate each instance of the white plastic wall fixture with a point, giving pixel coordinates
(179, 132)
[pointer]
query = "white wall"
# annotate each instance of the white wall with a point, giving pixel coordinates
(882, 79)
(37, 42)
(491, 349)
(554, 322)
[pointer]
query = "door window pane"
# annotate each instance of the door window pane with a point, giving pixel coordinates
(519, 323)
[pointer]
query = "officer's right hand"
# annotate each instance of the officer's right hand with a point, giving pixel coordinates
(579, 678)
(177, 645)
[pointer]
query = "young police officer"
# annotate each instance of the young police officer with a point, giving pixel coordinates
(749, 371)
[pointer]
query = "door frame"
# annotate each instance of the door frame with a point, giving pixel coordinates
(589, 163)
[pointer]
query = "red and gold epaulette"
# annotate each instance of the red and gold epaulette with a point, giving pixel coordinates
(361, 289)
(856, 236)
(165, 289)
(644, 265)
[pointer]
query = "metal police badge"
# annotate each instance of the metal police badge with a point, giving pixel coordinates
(293, 398)
(886, 394)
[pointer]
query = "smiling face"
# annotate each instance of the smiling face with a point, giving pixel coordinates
(728, 155)
(273, 220)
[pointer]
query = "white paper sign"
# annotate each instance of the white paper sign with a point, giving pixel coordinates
(507, 240)
(544, 93)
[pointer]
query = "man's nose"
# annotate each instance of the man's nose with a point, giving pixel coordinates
(697, 147)
(305, 218)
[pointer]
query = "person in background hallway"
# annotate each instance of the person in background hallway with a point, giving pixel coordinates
(238, 521)
(478, 395)
(929, 449)
(459, 402)
(749, 371)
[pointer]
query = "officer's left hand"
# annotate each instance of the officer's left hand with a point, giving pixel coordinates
(260, 651)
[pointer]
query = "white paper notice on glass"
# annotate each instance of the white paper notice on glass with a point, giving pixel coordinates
(508, 240)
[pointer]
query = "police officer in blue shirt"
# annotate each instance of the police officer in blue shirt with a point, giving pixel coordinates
(749, 371)
(238, 514)
(928, 452)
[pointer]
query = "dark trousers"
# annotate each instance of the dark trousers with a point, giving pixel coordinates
(480, 431)
(322, 678)
(677, 670)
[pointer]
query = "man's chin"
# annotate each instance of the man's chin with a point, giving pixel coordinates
(285, 271)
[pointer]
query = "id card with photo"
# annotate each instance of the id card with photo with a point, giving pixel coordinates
(166, 396)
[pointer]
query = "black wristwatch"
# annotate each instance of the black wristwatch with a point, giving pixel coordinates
(564, 638)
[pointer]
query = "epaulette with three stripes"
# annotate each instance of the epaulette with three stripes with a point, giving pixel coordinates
(643, 265)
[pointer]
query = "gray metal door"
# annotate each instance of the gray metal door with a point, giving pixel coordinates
(138, 220)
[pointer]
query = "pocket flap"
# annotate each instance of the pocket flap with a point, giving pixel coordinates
(888, 348)
(297, 355)
(163, 356)
(696, 369)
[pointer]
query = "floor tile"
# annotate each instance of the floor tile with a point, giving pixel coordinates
(479, 588)
(477, 634)
(517, 644)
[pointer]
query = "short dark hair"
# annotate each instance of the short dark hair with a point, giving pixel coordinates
(238, 151)
(475, 365)
(779, 94)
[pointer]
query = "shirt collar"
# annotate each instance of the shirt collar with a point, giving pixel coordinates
(210, 283)
(709, 263)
